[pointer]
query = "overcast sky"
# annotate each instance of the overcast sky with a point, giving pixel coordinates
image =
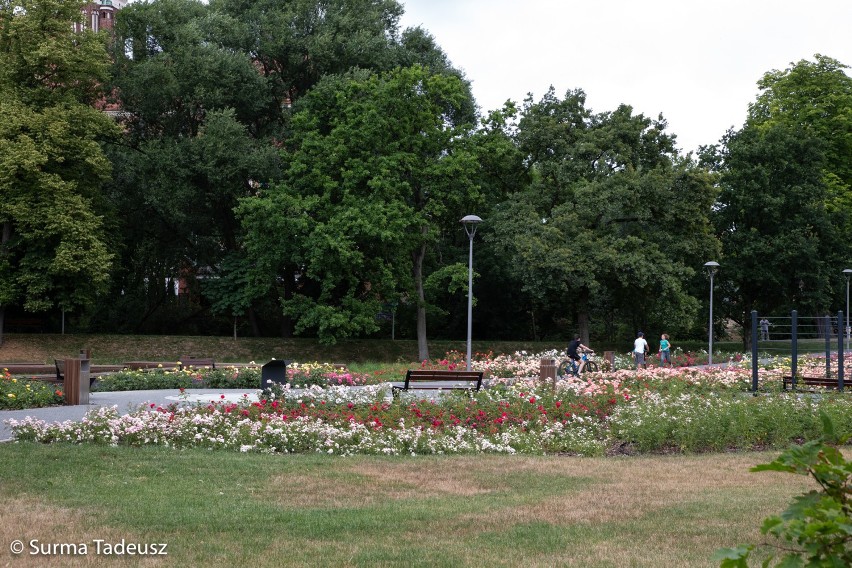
(697, 63)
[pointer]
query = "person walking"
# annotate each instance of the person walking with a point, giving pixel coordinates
(640, 348)
(665, 351)
(764, 329)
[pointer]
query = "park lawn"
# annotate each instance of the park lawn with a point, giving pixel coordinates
(224, 508)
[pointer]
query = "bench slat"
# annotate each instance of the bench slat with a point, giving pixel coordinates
(812, 381)
(448, 380)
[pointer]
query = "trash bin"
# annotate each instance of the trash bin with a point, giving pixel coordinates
(273, 372)
(547, 370)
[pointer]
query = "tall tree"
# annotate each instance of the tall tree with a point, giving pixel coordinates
(777, 234)
(376, 170)
(53, 250)
(192, 110)
(783, 211)
(184, 70)
(613, 224)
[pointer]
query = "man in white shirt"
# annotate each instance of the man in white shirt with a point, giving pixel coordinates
(640, 348)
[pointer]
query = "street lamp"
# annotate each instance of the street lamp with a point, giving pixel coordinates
(847, 273)
(711, 268)
(470, 222)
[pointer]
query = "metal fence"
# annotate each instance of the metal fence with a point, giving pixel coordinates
(795, 335)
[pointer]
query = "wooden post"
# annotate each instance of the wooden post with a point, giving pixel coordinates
(76, 385)
(547, 370)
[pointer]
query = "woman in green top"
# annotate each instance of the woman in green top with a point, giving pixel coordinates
(665, 351)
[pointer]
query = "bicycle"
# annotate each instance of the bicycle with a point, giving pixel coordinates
(570, 367)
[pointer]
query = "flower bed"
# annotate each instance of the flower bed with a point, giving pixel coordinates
(22, 393)
(243, 377)
(660, 410)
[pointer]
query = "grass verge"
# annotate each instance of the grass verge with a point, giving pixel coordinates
(109, 349)
(219, 508)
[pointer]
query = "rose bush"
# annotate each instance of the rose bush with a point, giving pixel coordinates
(658, 410)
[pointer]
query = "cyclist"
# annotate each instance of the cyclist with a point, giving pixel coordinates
(575, 347)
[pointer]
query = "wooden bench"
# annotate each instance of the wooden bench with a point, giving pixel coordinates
(196, 362)
(811, 381)
(60, 372)
(428, 379)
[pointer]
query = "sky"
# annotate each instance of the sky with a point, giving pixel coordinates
(697, 63)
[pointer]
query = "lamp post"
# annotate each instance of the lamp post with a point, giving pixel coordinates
(470, 222)
(711, 268)
(847, 273)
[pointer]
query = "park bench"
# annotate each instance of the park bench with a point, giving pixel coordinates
(60, 372)
(429, 379)
(196, 362)
(810, 381)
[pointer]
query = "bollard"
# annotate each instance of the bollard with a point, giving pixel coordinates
(547, 370)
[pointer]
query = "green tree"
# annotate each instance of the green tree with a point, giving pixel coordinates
(376, 171)
(194, 111)
(612, 225)
(778, 237)
(785, 198)
(185, 70)
(53, 250)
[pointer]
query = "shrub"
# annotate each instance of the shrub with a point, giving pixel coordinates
(16, 394)
(816, 529)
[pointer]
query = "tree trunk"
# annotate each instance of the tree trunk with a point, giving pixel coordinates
(583, 326)
(422, 344)
(252, 317)
(583, 316)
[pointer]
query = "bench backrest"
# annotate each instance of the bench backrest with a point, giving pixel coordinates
(812, 381)
(463, 379)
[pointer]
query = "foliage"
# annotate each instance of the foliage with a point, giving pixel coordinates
(786, 194)
(613, 221)
(187, 378)
(818, 524)
(376, 172)
(18, 393)
(52, 166)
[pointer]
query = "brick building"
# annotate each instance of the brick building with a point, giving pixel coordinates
(100, 15)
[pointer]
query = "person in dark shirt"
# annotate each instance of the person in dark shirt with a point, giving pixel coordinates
(575, 347)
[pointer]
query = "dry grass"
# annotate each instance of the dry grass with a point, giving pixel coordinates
(655, 511)
(27, 518)
(215, 508)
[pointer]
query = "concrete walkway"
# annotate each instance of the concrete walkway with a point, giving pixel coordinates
(126, 401)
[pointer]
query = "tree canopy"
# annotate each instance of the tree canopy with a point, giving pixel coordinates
(53, 251)
(613, 223)
(375, 171)
(301, 167)
(784, 206)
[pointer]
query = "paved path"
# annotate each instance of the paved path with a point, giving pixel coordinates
(126, 401)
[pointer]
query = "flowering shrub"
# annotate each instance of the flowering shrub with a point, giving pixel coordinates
(323, 374)
(22, 393)
(187, 378)
(686, 410)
